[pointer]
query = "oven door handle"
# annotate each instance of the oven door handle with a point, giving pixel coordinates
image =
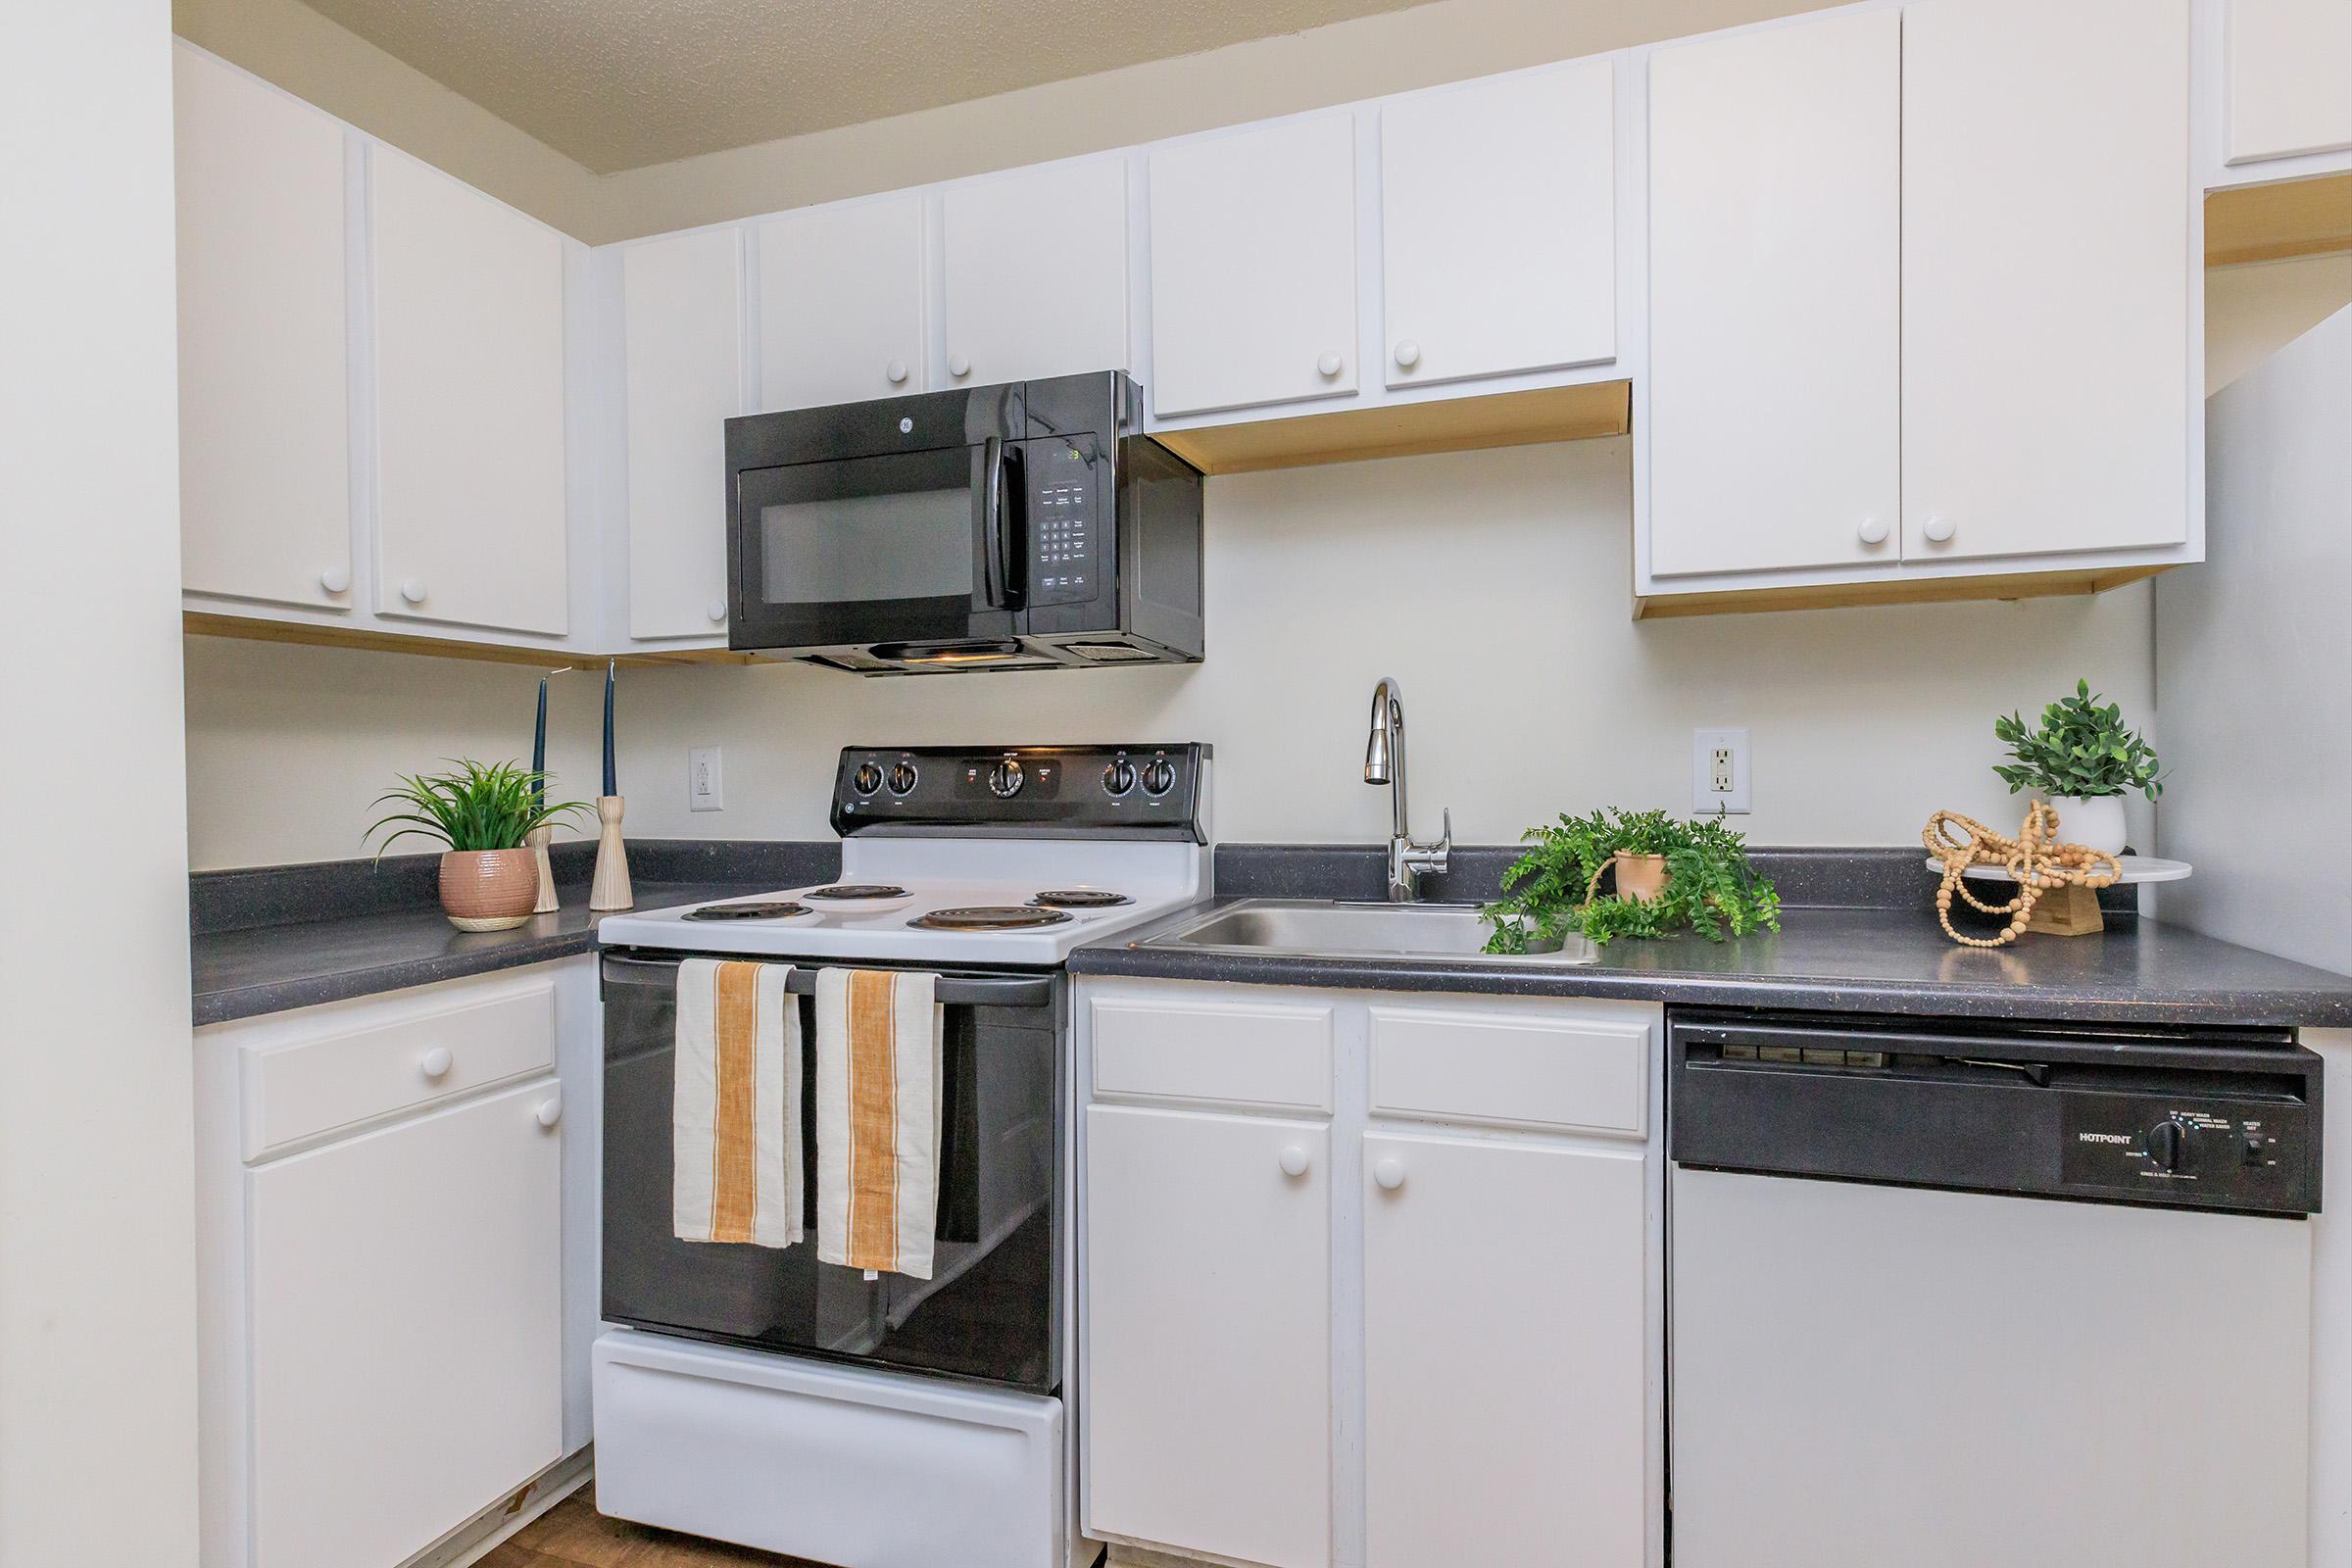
(996, 558)
(952, 991)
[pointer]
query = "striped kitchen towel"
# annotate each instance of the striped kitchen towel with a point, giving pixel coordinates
(878, 1072)
(735, 1120)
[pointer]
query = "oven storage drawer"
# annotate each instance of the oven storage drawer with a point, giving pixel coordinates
(831, 1464)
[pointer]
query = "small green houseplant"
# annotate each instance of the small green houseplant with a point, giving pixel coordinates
(1708, 884)
(484, 813)
(2083, 760)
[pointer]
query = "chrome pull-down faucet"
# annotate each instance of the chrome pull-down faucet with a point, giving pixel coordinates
(1384, 763)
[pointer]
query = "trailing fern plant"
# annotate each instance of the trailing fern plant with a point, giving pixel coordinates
(1711, 887)
(476, 805)
(2082, 749)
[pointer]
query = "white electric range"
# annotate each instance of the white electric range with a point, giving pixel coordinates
(761, 1396)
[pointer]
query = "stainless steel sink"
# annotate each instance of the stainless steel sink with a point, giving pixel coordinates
(1317, 928)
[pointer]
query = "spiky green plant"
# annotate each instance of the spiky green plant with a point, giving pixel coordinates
(1711, 887)
(476, 805)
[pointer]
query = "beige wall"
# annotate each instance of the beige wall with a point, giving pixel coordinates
(97, 1219)
(1494, 585)
(303, 52)
(2252, 312)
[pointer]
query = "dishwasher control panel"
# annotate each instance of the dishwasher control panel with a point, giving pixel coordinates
(2178, 1117)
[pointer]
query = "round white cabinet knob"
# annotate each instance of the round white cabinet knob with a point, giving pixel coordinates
(551, 1112)
(1293, 1160)
(1408, 354)
(335, 579)
(1328, 366)
(413, 590)
(958, 365)
(716, 609)
(896, 370)
(1390, 1173)
(1873, 531)
(434, 1063)
(1937, 529)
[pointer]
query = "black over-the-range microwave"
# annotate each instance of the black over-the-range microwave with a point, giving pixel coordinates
(1025, 526)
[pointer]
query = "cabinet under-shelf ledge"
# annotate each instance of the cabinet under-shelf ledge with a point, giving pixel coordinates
(1892, 591)
(315, 634)
(1587, 412)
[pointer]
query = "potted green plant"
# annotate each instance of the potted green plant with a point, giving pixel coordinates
(1670, 876)
(2082, 759)
(484, 813)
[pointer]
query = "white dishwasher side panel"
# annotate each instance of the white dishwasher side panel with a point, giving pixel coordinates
(1872, 1374)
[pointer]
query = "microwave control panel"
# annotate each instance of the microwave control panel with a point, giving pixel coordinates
(1063, 503)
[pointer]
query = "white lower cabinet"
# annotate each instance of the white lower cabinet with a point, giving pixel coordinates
(1207, 1409)
(1399, 1337)
(395, 1251)
(1504, 1332)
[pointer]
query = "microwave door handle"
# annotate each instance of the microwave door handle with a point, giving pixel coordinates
(993, 586)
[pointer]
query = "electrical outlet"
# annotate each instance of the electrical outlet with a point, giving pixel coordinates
(1719, 772)
(706, 783)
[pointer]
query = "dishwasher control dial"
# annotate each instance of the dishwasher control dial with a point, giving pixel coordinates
(2168, 1144)
(1004, 779)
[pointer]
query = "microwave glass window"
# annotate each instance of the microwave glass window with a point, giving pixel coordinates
(916, 545)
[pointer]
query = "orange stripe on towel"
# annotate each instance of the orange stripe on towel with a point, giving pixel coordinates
(735, 1141)
(873, 1120)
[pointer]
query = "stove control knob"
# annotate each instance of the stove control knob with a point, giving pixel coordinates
(2168, 1144)
(1159, 776)
(868, 778)
(901, 779)
(1118, 778)
(1004, 780)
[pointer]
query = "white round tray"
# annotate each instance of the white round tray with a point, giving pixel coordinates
(2137, 868)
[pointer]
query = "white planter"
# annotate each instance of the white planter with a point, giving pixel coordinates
(2095, 822)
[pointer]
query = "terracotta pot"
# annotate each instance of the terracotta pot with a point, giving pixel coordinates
(489, 890)
(1640, 877)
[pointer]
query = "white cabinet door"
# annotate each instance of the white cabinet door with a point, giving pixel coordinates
(1207, 1356)
(1776, 335)
(2289, 78)
(1505, 1419)
(683, 303)
(2047, 277)
(1036, 278)
(265, 432)
(841, 303)
(1499, 225)
(1253, 266)
(470, 405)
(406, 1331)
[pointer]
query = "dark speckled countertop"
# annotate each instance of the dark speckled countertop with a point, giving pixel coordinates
(1857, 934)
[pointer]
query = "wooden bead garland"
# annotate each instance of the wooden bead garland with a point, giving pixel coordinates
(2035, 861)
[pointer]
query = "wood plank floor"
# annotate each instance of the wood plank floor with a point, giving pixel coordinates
(573, 1534)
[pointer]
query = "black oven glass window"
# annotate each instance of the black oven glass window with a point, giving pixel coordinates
(869, 529)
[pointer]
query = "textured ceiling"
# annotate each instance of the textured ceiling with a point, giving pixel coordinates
(621, 83)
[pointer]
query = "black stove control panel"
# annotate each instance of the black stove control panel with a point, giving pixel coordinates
(1135, 790)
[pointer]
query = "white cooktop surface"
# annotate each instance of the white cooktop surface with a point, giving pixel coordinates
(940, 874)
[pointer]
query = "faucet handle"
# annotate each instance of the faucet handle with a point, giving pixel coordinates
(1445, 844)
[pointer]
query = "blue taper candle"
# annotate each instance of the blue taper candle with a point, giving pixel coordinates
(612, 773)
(539, 746)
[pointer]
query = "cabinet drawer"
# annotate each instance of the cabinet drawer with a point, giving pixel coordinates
(1227, 1052)
(388, 1056)
(1577, 1069)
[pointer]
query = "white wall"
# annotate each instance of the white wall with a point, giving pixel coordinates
(2252, 312)
(97, 1288)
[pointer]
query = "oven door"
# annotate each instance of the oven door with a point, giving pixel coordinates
(990, 1312)
(901, 547)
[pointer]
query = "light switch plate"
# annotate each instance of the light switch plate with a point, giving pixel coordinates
(1719, 772)
(705, 781)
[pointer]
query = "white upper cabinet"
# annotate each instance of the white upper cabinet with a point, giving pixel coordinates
(684, 307)
(1499, 225)
(265, 440)
(470, 405)
(2289, 71)
(1494, 1436)
(1254, 283)
(1036, 274)
(841, 303)
(2048, 317)
(1775, 334)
